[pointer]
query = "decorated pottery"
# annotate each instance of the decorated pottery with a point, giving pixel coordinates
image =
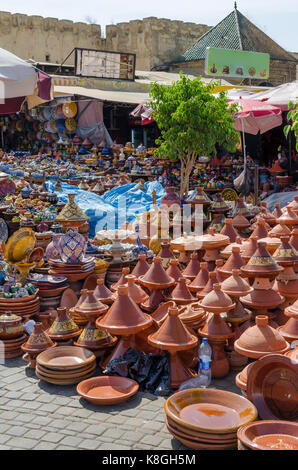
(63, 326)
(11, 326)
(72, 246)
(71, 215)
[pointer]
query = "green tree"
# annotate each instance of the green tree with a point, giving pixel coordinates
(191, 121)
(293, 121)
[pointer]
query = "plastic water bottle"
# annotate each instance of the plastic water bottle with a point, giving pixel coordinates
(205, 353)
(204, 377)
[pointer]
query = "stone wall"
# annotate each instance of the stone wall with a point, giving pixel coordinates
(46, 39)
(153, 40)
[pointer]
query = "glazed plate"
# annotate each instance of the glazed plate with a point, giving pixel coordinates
(272, 385)
(210, 410)
(19, 245)
(65, 357)
(107, 390)
(269, 435)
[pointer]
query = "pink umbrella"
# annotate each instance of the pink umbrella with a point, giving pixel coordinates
(255, 116)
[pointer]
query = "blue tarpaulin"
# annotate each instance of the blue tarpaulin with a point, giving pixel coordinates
(111, 210)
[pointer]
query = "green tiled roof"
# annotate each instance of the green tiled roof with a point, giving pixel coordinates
(236, 32)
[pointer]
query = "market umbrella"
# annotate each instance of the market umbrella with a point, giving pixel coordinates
(280, 95)
(19, 80)
(255, 116)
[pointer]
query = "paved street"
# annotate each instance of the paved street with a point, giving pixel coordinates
(38, 415)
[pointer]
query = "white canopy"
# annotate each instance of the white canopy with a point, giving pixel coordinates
(279, 95)
(17, 77)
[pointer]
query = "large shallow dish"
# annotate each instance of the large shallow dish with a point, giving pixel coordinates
(107, 390)
(269, 435)
(65, 357)
(228, 411)
(272, 385)
(200, 436)
(62, 381)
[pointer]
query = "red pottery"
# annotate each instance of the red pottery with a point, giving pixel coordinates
(260, 231)
(181, 294)
(171, 198)
(135, 292)
(277, 211)
(279, 230)
(173, 270)
(63, 327)
(201, 279)
(261, 340)
(261, 264)
(235, 261)
(249, 248)
(289, 217)
(240, 222)
(209, 286)
(219, 264)
(141, 267)
(156, 277)
(90, 306)
(228, 229)
(102, 293)
(11, 326)
(268, 435)
(122, 281)
(193, 267)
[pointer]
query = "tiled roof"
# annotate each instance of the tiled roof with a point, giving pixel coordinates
(236, 32)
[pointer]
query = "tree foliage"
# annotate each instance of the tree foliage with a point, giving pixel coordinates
(191, 121)
(293, 121)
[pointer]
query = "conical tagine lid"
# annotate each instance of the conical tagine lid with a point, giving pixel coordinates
(289, 217)
(63, 325)
(141, 267)
(219, 264)
(201, 279)
(277, 211)
(93, 337)
(181, 294)
(260, 231)
(192, 268)
(71, 212)
(241, 208)
(173, 335)
(249, 248)
(235, 261)
(261, 263)
(229, 230)
(135, 292)
(122, 281)
(216, 301)
(212, 279)
(39, 340)
(173, 270)
(91, 306)
(156, 277)
(199, 197)
(124, 316)
(261, 340)
(219, 205)
(239, 221)
(294, 238)
(235, 285)
(216, 328)
(294, 205)
(285, 255)
(279, 230)
(102, 293)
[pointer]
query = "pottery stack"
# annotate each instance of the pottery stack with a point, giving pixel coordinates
(50, 289)
(12, 335)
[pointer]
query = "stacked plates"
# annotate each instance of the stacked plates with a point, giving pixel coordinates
(22, 306)
(49, 286)
(12, 347)
(208, 418)
(73, 271)
(65, 365)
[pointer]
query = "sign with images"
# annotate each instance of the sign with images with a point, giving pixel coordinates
(236, 64)
(104, 64)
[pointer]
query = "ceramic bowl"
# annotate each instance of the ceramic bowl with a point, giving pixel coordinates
(210, 410)
(107, 390)
(65, 357)
(269, 435)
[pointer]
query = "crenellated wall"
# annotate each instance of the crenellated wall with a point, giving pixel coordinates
(154, 41)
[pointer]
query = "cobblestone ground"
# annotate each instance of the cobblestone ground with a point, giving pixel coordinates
(38, 415)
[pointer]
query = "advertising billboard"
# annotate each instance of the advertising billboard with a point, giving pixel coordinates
(104, 64)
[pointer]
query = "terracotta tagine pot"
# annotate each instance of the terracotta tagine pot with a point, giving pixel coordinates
(220, 276)
(229, 230)
(71, 215)
(289, 217)
(219, 206)
(217, 223)
(171, 198)
(181, 294)
(290, 330)
(279, 230)
(95, 339)
(156, 280)
(102, 293)
(89, 306)
(63, 328)
(173, 270)
(227, 251)
(199, 197)
(260, 231)
(249, 248)
(212, 243)
(161, 313)
(216, 329)
(241, 209)
(37, 342)
(134, 291)
(11, 326)
(261, 340)
(124, 318)
(277, 211)
(240, 222)
(141, 267)
(209, 286)
(235, 261)
(165, 254)
(193, 267)
(272, 243)
(286, 282)
(294, 205)
(201, 279)
(122, 281)
(173, 336)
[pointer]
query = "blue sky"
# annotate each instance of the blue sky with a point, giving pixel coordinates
(277, 18)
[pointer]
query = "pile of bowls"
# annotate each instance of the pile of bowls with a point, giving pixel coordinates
(12, 335)
(25, 307)
(65, 365)
(268, 435)
(207, 418)
(50, 288)
(72, 271)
